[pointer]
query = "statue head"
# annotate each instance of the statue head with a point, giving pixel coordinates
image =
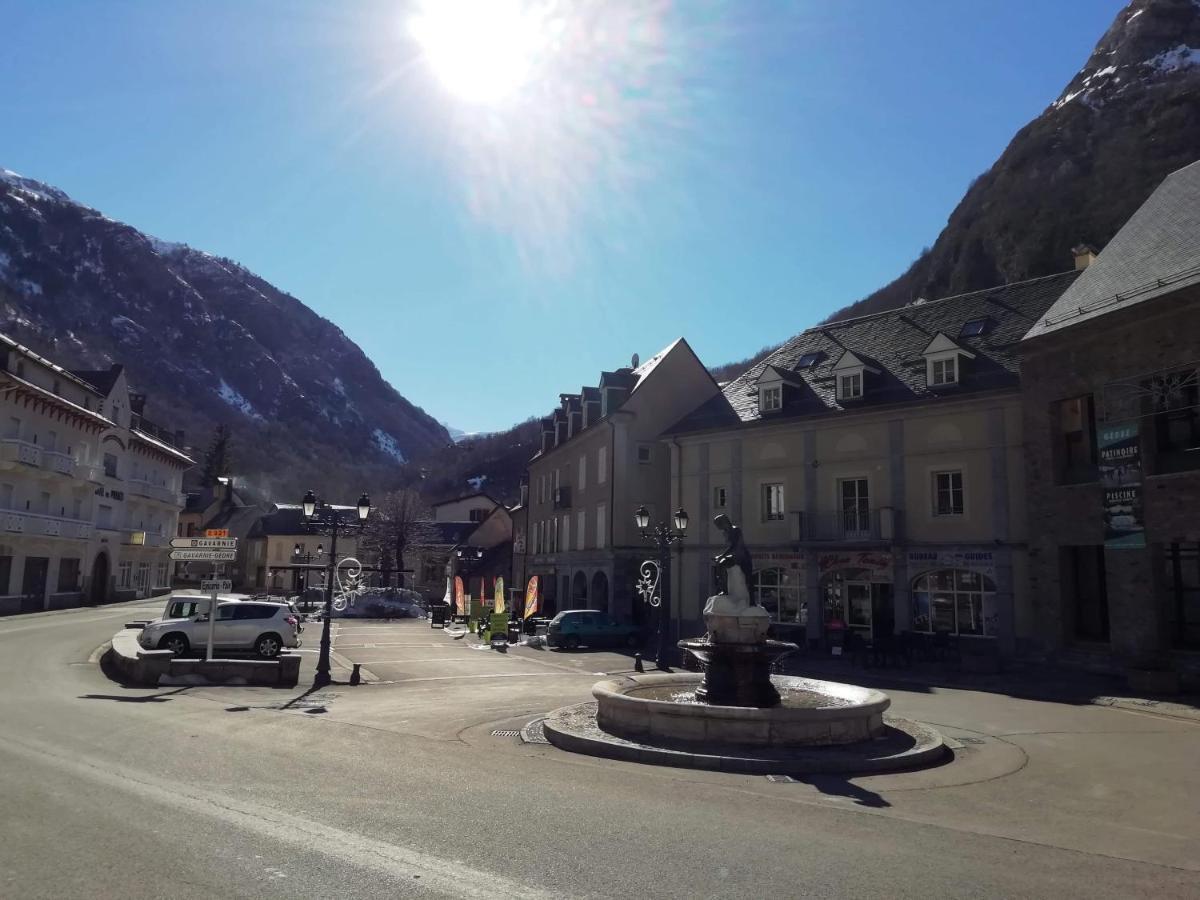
(723, 522)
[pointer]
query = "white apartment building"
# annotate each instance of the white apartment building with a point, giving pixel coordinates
(90, 491)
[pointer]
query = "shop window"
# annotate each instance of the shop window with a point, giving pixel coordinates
(1074, 431)
(956, 601)
(68, 575)
(1177, 421)
(778, 592)
(1183, 594)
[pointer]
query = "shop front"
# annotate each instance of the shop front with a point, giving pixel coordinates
(778, 586)
(954, 591)
(857, 595)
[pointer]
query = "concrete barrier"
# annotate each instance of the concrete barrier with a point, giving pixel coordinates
(155, 667)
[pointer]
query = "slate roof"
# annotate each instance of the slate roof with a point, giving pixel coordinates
(102, 380)
(449, 532)
(288, 519)
(468, 496)
(1155, 253)
(893, 342)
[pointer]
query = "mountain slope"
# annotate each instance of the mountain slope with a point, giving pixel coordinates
(1079, 170)
(207, 340)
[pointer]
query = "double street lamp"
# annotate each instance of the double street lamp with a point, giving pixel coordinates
(656, 588)
(301, 556)
(321, 518)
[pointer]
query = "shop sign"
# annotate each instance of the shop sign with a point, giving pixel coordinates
(982, 561)
(1120, 453)
(878, 564)
(769, 559)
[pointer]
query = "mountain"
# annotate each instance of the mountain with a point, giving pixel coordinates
(209, 342)
(1074, 174)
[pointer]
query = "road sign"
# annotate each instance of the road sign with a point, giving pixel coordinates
(204, 555)
(216, 533)
(216, 585)
(204, 543)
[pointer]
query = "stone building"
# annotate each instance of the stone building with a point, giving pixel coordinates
(282, 555)
(875, 466)
(90, 490)
(1112, 426)
(478, 525)
(599, 460)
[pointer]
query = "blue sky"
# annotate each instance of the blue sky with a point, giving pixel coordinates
(727, 171)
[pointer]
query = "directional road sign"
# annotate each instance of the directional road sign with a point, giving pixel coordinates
(205, 555)
(217, 585)
(204, 543)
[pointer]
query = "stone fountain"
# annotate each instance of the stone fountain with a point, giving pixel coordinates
(736, 715)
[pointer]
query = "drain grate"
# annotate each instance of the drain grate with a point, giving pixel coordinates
(505, 732)
(967, 740)
(781, 779)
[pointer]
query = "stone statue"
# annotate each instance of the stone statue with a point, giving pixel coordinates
(731, 616)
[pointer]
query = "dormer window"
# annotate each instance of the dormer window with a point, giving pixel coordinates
(944, 371)
(944, 361)
(770, 399)
(850, 386)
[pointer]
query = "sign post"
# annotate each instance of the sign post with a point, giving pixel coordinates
(212, 623)
(216, 547)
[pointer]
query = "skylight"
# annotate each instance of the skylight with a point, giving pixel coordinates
(808, 360)
(974, 328)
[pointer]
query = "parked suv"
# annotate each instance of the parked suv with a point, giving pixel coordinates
(575, 627)
(265, 628)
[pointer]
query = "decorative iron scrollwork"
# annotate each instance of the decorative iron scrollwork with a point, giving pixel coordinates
(347, 585)
(647, 585)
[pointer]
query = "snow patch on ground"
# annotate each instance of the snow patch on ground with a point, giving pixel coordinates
(339, 387)
(162, 248)
(1176, 60)
(388, 444)
(32, 188)
(230, 395)
(477, 481)
(31, 288)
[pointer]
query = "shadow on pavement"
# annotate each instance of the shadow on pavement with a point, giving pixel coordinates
(164, 697)
(836, 786)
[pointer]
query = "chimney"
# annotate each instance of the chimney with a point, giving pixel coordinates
(1085, 255)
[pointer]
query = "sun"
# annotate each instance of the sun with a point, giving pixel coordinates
(483, 51)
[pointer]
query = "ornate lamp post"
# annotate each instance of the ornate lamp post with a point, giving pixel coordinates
(322, 518)
(655, 583)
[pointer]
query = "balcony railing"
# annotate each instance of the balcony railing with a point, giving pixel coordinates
(59, 463)
(850, 525)
(20, 522)
(14, 450)
(159, 492)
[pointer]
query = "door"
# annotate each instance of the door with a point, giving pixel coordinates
(33, 584)
(855, 507)
(99, 588)
(883, 612)
(858, 607)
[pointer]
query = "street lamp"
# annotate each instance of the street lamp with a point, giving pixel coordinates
(655, 584)
(324, 519)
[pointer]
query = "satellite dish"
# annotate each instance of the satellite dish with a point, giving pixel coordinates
(635, 361)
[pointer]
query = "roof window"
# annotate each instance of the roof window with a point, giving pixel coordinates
(975, 328)
(808, 360)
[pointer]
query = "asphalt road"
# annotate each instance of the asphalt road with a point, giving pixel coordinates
(398, 788)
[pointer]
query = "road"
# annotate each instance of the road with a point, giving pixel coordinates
(398, 788)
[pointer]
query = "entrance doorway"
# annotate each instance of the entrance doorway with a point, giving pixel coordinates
(579, 592)
(33, 583)
(600, 591)
(859, 608)
(1085, 592)
(98, 590)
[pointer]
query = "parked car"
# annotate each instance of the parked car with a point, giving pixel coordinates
(265, 628)
(577, 627)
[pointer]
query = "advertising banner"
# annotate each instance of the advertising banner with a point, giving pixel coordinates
(1120, 456)
(460, 596)
(498, 592)
(531, 597)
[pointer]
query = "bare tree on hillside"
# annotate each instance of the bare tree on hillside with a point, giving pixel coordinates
(401, 520)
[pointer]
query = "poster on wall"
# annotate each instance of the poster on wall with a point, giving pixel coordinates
(1120, 455)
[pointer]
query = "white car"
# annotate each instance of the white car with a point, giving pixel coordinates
(265, 628)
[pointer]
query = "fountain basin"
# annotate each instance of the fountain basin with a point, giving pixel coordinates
(811, 713)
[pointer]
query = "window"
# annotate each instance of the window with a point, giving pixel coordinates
(643, 453)
(124, 574)
(602, 466)
(13, 431)
(160, 575)
(244, 611)
(68, 575)
(943, 371)
(947, 493)
(974, 328)
(582, 472)
(772, 502)
(1075, 421)
(6, 496)
(808, 360)
(1177, 421)
(1182, 584)
(110, 465)
(778, 592)
(770, 398)
(601, 526)
(566, 533)
(854, 500)
(432, 571)
(850, 386)
(719, 498)
(76, 508)
(957, 601)
(478, 514)
(580, 525)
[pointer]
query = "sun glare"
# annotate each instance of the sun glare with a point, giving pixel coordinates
(482, 50)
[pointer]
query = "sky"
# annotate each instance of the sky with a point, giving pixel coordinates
(499, 199)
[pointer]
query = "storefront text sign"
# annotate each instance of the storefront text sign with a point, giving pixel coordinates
(982, 561)
(1120, 454)
(878, 564)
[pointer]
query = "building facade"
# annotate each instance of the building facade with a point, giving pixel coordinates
(476, 524)
(875, 467)
(284, 557)
(600, 459)
(90, 490)
(1112, 424)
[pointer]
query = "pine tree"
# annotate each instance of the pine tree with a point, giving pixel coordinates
(218, 459)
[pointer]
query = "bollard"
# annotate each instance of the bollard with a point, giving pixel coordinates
(356, 675)
(637, 663)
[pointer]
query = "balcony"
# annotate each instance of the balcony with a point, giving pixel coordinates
(17, 451)
(159, 492)
(849, 526)
(59, 463)
(38, 525)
